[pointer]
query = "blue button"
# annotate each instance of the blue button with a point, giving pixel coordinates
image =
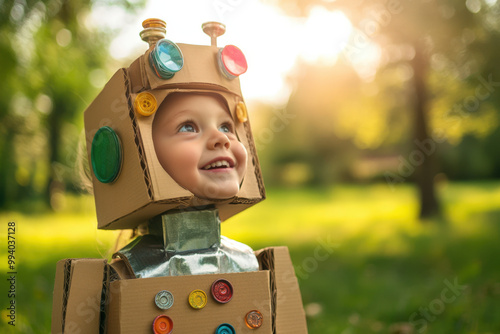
(166, 59)
(225, 329)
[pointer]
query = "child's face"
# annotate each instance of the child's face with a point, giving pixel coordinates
(196, 144)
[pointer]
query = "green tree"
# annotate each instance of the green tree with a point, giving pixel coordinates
(53, 59)
(436, 43)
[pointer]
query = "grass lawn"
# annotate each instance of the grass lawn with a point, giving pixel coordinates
(365, 264)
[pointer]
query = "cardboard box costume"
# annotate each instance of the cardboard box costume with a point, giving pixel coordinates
(170, 280)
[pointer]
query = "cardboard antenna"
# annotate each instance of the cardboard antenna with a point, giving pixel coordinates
(154, 30)
(214, 30)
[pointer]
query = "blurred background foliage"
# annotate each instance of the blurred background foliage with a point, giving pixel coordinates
(433, 81)
(54, 63)
(428, 85)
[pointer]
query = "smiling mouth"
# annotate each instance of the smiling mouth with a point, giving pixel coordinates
(218, 164)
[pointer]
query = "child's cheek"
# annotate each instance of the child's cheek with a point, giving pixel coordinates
(241, 155)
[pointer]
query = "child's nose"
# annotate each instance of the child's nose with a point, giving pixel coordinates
(218, 140)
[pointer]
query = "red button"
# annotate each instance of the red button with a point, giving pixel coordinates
(234, 60)
(163, 325)
(222, 290)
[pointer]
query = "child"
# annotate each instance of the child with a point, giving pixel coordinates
(171, 148)
(196, 144)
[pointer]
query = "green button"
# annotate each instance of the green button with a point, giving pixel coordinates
(106, 155)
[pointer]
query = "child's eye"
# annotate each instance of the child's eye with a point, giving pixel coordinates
(226, 128)
(187, 128)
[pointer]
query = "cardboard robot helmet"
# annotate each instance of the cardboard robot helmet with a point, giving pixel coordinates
(130, 185)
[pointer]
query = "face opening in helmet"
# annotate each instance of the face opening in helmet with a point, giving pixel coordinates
(196, 143)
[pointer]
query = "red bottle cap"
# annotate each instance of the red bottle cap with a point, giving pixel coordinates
(162, 325)
(232, 62)
(222, 290)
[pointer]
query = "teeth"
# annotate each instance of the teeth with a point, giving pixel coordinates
(220, 163)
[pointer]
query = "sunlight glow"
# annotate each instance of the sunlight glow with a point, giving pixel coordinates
(325, 34)
(272, 42)
(364, 54)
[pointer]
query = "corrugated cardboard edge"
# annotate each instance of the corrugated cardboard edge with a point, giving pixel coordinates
(78, 296)
(58, 297)
(286, 302)
(114, 310)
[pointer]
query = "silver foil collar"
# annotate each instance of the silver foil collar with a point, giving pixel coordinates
(187, 242)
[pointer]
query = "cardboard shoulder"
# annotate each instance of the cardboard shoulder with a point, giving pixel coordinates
(288, 310)
(79, 295)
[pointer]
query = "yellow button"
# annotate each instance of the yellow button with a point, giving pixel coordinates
(145, 104)
(241, 112)
(197, 299)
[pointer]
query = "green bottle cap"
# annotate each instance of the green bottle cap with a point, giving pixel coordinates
(106, 155)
